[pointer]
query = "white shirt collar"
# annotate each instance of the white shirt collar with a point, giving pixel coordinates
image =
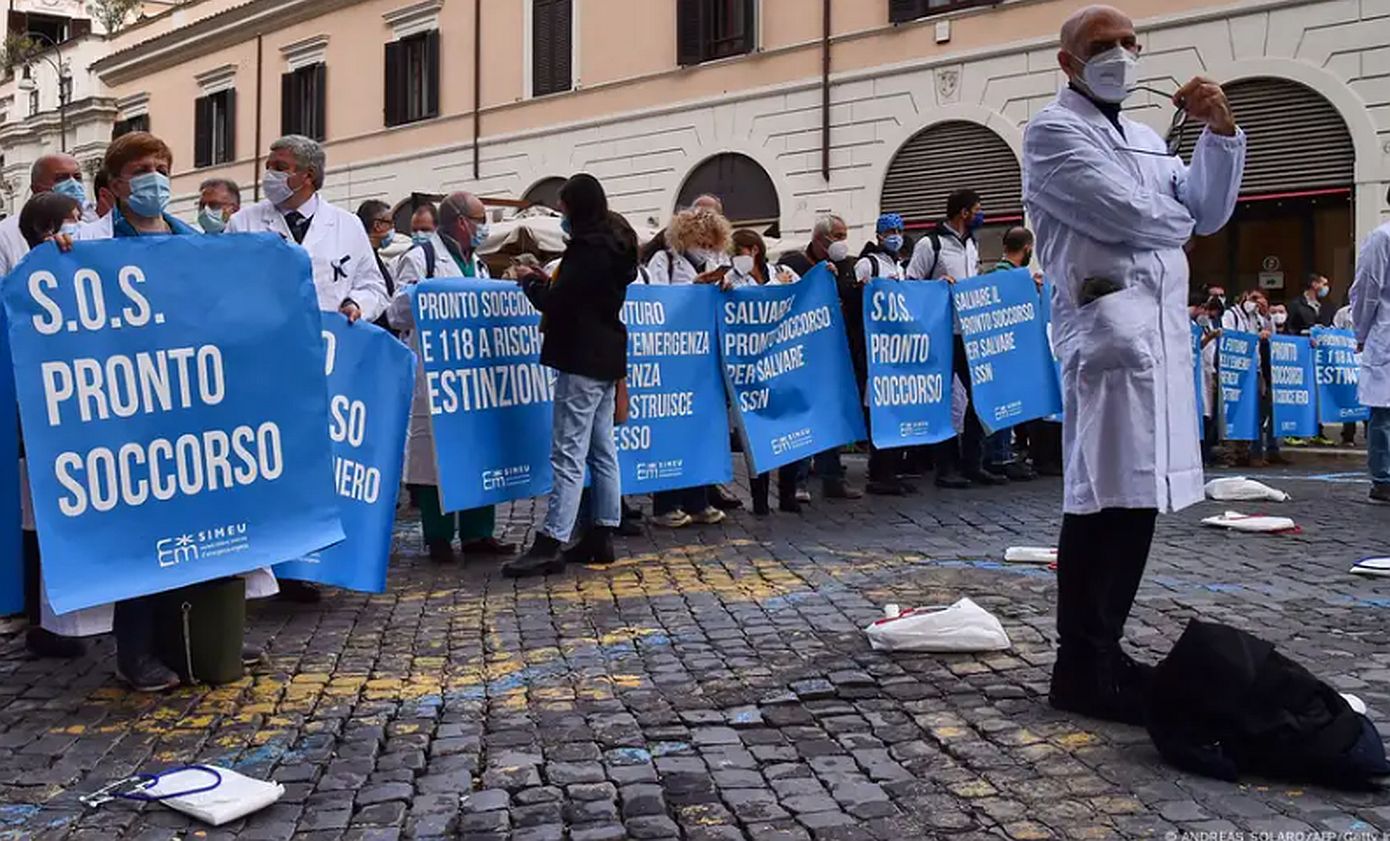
(307, 210)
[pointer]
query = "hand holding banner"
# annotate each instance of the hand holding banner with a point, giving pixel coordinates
(371, 376)
(1338, 377)
(677, 433)
(907, 330)
(1240, 384)
(1291, 376)
(787, 365)
(173, 401)
(1012, 372)
(490, 398)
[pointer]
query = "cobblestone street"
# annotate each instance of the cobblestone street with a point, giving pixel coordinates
(717, 684)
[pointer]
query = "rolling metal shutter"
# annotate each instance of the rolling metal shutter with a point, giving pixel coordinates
(952, 156)
(1296, 139)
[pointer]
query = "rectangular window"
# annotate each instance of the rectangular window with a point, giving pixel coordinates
(47, 29)
(214, 129)
(304, 101)
(712, 29)
(412, 78)
(140, 123)
(902, 11)
(552, 46)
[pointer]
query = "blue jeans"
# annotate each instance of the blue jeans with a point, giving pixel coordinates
(583, 434)
(1378, 446)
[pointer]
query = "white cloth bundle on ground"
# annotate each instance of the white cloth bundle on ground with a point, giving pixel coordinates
(962, 627)
(1241, 489)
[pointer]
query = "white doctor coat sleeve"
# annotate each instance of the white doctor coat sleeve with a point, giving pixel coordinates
(1072, 179)
(401, 313)
(368, 287)
(659, 269)
(1372, 274)
(923, 255)
(1209, 188)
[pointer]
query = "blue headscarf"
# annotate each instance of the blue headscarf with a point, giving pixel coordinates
(889, 222)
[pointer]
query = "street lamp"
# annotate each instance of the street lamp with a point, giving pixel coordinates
(28, 84)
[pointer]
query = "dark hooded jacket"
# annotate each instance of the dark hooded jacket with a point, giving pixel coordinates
(582, 305)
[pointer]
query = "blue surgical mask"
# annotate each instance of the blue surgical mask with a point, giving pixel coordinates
(565, 226)
(1322, 293)
(211, 221)
(72, 188)
(149, 194)
(69, 229)
(387, 241)
(480, 233)
(893, 242)
(977, 220)
(420, 237)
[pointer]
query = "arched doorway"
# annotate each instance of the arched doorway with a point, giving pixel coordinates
(545, 192)
(1295, 214)
(950, 156)
(745, 188)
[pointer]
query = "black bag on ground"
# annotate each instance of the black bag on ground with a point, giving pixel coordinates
(1225, 703)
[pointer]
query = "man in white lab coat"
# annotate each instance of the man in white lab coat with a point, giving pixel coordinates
(1370, 315)
(345, 270)
(1113, 209)
(57, 172)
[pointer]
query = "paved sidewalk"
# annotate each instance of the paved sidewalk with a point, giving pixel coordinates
(717, 685)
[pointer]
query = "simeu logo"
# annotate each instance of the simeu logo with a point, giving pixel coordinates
(507, 477)
(793, 441)
(177, 550)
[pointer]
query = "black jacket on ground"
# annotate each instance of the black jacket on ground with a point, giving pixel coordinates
(584, 333)
(1225, 703)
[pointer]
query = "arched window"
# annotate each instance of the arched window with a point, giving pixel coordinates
(748, 194)
(545, 192)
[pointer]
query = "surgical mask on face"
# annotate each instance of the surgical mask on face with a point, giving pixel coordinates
(72, 188)
(837, 251)
(1027, 258)
(1322, 291)
(743, 264)
(149, 194)
(1280, 318)
(1204, 321)
(1250, 307)
(480, 233)
(211, 221)
(387, 241)
(977, 220)
(69, 229)
(705, 259)
(893, 242)
(420, 237)
(276, 186)
(1111, 75)
(565, 226)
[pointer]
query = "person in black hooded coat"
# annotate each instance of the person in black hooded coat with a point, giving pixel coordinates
(586, 342)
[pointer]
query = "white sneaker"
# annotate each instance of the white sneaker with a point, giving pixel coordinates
(708, 517)
(803, 495)
(677, 519)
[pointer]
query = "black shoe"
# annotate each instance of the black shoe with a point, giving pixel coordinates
(489, 546)
(1056, 469)
(885, 488)
(839, 489)
(1014, 471)
(251, 655)
(543, 558)
(954, 482)
(723, 500)
(601, 550)
(1380, 494)
(761, 508)
(441, 551)
(1114, 691)
(147, 674)
(630, 527)
(580, 553)
(789, 505)
(44, 643)
(300, 592)
(984, 477)
(631, 512)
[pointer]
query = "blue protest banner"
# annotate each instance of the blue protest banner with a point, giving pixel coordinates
(1338, 375)
(1197, 334)
(490, 398)
(370, 379)
(11, 560)
(677, 432)
(907, 330)
(1240, 384)
(173, 402)
(1012, 372)
(788, 369)
(1291, 376)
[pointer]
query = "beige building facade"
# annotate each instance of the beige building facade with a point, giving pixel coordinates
(660, 98)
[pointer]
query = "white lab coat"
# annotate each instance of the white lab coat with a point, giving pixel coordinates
(1370, 312)
(662, 270)
(778, 274)
(875, 264)
(1103, 212)
(344, 265)
(420, 465)
(12, 244)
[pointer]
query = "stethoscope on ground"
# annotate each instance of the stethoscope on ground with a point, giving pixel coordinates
(133, 787)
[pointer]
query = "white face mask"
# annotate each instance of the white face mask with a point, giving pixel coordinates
(743, 264)
(1249, 307)
(837, 251)
(1280, 318)
(1111, 75)
(276, 186)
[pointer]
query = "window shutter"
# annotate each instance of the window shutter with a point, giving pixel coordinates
(16, 24)
(229, 128)
(320, 103)
(202, 132)
(432, 73)
(901, 11)
(690, 32)
(750, 26)
(561, 45)
(80, 27)
(288, 105)
(542, 48)
(395, 83)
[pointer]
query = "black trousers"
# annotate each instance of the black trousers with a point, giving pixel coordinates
(966, 453)
(1100, 561)
(1045, 443)
(29, 550)
(761, 484)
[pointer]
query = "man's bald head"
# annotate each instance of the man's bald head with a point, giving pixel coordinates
(50, 169)
(460, 214)
(708, 201)
(1090, 32)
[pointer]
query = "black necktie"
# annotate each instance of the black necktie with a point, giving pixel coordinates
(299, 225)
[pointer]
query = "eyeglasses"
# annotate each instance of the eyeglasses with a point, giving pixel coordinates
(1176, 128)
(386, 222)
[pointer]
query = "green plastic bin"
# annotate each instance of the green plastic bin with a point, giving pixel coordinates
(201, 630)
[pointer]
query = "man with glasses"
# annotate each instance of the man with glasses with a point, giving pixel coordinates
(1113, 210)
(50, 173)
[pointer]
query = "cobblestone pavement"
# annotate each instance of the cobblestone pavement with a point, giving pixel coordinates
(716, 685)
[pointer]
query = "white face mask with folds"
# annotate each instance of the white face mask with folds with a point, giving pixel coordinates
(1111, 75)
